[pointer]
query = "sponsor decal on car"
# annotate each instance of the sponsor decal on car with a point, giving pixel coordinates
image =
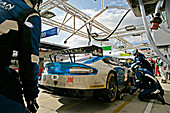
(98, 86)
(70, 80)
(97, 52)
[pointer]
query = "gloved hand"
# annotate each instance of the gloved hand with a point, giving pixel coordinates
(134, 89)
(32, 106)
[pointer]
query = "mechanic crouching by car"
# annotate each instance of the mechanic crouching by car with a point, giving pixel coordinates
(140, 59)
(148, 84)
(20, 29)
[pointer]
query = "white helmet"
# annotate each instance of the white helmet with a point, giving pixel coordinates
(134, 52)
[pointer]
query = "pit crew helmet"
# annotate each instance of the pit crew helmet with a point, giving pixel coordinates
(134, 52)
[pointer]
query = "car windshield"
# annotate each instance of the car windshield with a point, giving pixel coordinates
(94, 59)
(111, 60)
(83, 59)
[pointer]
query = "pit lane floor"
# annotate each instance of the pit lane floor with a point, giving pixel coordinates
(50, 103)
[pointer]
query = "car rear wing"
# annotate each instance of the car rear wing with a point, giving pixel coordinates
(95, 50)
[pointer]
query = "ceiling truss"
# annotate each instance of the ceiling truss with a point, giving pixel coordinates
(75, 13)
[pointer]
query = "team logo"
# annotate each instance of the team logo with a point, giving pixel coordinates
(29, 24)
(6, 5)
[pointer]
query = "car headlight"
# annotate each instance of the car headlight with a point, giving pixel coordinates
(81, 70)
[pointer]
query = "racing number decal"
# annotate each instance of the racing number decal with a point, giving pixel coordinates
(70, 80)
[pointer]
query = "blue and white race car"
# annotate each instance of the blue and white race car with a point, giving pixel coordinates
(101, 74)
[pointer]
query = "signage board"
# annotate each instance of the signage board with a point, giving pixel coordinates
(124, 54)
(107, 48)
(49, 32)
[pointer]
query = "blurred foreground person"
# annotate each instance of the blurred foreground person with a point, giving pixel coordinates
(20, 29)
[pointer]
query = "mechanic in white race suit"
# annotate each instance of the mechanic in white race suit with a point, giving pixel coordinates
(147, 83)
(163, 68)
(20, 29)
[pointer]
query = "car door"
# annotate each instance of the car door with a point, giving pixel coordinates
(120, 71)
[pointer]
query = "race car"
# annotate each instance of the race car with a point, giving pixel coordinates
(101, 74)
(127, 62)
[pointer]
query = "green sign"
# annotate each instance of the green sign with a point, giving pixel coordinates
(107, 48)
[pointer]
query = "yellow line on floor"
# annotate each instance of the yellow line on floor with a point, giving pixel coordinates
(72, 105)
(46, 99)
(125, 103)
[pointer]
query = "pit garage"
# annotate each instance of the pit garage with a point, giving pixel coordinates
(97, 78)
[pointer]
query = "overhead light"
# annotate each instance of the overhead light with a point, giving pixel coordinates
(94, 35)
(136, 34)
(130, 28)
(47, 14)
(118, 7)
(121, 47)
(145, 44)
